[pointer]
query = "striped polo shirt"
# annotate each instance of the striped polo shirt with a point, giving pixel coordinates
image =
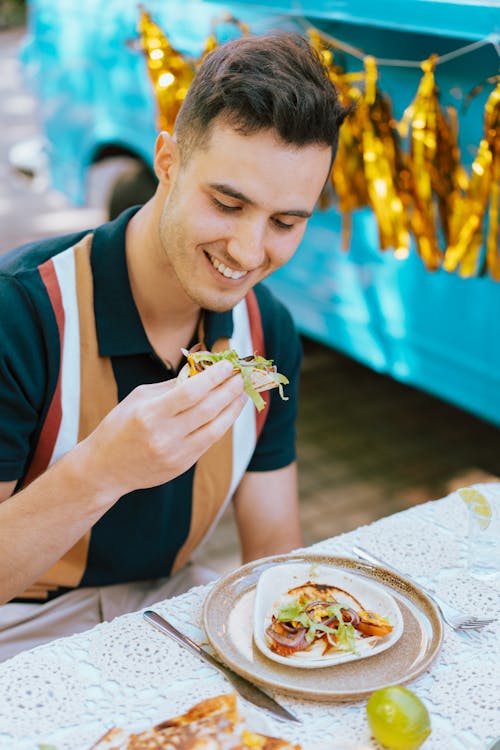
(72, 346)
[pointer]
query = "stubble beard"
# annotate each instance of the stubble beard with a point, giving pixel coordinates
(172, 243)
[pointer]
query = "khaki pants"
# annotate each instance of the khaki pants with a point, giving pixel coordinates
(24, 626)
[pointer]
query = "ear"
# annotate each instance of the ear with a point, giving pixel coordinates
(166, 155)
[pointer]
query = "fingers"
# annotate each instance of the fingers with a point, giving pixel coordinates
(214, 402)
(161, 429)
(210, 432)
(181, 439)
(194, 390)
(180, 409)
(172, 397)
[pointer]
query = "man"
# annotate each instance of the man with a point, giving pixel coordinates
(112, 472)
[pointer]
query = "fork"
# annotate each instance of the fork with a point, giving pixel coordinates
(456, 619)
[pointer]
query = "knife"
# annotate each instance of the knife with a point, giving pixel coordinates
(244, 687)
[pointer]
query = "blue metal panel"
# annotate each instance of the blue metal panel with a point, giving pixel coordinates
(432, 330)
(473, 19)
(435, 331)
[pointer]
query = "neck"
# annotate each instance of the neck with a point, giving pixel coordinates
(169, 317)
(156, 291)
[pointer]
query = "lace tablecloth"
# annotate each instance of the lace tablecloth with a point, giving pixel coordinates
(126, 674)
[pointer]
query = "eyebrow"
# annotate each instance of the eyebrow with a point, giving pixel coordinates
(232, 193)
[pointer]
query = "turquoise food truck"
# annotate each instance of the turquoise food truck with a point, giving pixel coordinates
(432, 329)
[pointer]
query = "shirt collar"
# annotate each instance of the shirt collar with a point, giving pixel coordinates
(119, 326)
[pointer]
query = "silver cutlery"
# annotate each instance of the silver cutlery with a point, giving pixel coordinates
(454, 617)
(243, 687)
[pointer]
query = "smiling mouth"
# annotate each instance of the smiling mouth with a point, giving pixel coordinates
(228, 273)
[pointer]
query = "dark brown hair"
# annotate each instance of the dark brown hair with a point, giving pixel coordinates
(276, 81)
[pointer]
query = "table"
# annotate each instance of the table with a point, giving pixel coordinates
(125, 673)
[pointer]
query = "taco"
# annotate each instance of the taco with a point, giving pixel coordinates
(318, 619)
(259, 374)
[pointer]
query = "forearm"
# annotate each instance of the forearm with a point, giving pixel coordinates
(151, 437)
(41, 522)
(267, 513)
(277, 540)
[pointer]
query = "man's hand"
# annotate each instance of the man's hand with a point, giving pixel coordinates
(152, 436)
(160, 430)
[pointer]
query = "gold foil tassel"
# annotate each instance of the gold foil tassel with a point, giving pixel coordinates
(347, 177)
(170, 73)
(212, 40)
(481, 200)
(383, 166)
(435, 168)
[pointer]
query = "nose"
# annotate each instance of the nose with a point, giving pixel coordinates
(247, 245)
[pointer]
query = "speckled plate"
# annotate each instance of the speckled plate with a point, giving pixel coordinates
(228, 622)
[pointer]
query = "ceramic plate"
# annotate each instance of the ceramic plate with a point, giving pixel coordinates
(277, 580)
(228, 622)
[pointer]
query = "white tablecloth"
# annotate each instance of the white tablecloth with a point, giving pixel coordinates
(125, 673)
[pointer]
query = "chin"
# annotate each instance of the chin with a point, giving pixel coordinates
(219, 307)
(215, 300)
(220, 304)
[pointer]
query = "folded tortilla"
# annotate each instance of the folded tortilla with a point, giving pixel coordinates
(212, 724)
(259, 374)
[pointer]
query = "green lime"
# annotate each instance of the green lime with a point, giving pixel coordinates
(397, 718)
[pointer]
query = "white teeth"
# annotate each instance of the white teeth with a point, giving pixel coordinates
(229, 273)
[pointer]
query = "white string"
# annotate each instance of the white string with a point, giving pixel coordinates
(491, 39)
(355, 52)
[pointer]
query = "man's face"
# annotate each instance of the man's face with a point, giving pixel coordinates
(236, 210)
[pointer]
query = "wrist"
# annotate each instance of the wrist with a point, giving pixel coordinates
(84, 475)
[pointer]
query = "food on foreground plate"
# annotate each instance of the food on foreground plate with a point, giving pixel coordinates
(320, 618)
(311, 613)
(259, 374)
(212, 724)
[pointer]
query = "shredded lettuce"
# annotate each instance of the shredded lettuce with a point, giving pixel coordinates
(342, 637)
(245, 366)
